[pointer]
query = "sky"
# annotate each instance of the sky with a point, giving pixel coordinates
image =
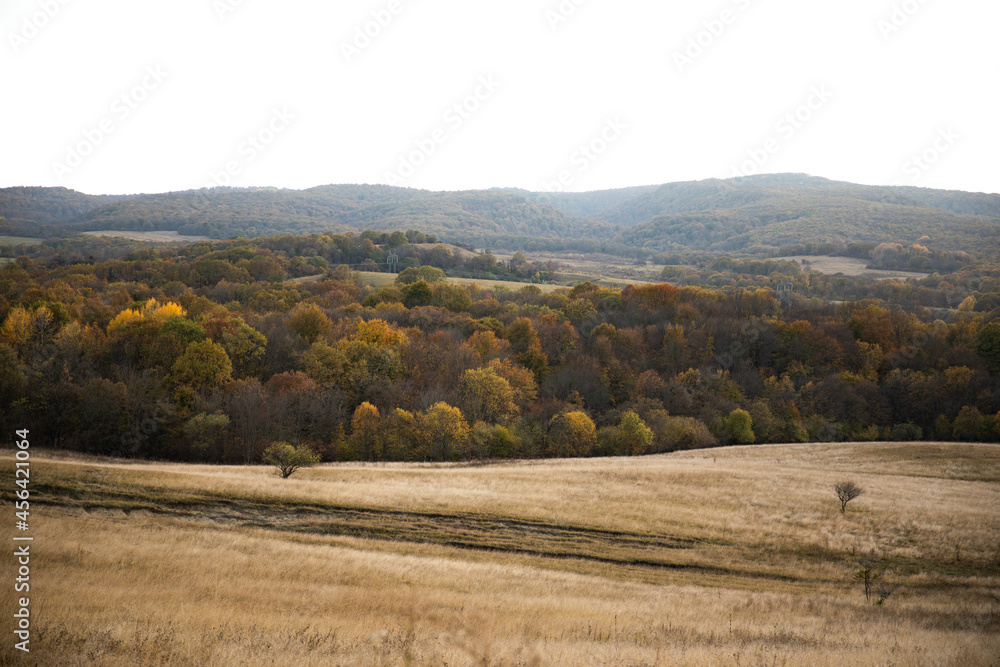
(123, 97)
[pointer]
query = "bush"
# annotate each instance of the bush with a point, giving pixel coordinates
(673, 433)
(428, 274)
(968, 425)
(907, 432)
(287, 459)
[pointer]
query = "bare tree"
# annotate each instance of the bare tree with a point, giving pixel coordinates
(883, 590)
(847, 491)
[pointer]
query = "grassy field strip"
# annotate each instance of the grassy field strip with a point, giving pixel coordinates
(150, 237)
(849, 266)
(19, 240)
(712, 557)
(214, 596)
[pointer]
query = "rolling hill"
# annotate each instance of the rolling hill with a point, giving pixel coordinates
(752, 215)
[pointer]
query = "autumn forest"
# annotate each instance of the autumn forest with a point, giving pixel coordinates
(211, 351)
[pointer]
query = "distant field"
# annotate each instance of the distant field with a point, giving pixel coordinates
(19, 240)
(566, 280)
(734, 556)
(370, 278)
(849, 266)
(600, 267)
(152, 237)
(455, 250)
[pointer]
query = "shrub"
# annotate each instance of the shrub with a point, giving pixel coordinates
(287, 459)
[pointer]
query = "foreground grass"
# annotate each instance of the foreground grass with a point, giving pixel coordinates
(734, 556)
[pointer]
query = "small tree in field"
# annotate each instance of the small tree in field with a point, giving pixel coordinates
(287, 459)
(847, 491)
(867, 575)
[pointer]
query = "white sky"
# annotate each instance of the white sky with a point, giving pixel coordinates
(935, 79)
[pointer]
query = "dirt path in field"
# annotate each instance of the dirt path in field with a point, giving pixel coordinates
(463, 531)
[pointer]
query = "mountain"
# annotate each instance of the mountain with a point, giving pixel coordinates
(221, 212)
(752, 215)
(759, 214)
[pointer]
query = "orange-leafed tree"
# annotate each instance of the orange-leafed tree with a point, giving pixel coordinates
(310, 322)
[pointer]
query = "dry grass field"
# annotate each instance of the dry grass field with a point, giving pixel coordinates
(734, 556)
(371, 278)
(151, 237)
(850, 266)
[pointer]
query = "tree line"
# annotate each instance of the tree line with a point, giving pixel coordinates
(212, 352)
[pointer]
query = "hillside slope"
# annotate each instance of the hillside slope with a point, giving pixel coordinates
(755, 215)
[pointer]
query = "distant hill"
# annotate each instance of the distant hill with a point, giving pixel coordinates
(588, 204)
(761, 213)
(49, 206)
(755, 215)
(473, 217)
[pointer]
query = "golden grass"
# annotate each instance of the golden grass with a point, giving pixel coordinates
(850, 266)
(372, 278)
(711, 557)
(152, 237)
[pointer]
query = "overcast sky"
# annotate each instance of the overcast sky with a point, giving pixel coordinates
(120, 96)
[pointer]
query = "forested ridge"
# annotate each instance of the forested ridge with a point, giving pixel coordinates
(756, 215)
(213, 350)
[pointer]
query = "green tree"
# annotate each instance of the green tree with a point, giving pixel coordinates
(636, 438)
(417, 294)
(968, 425)
(428, 274)
(206, 430)
(246, 347)
(738, 426)
(571, 434)
(203, 366)
(287, 459)
(988, 345)
(397, 239)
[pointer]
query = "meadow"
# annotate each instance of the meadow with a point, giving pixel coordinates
(849, 266)
(149, 237)
(737, 556)
(19, 240)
